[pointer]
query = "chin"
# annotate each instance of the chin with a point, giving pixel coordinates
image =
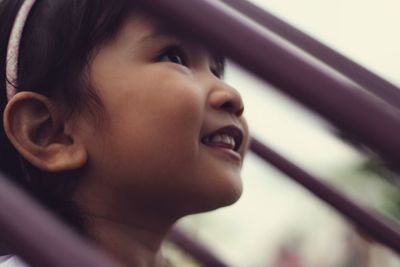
(230, 199)
(229, 190)
(219, 197)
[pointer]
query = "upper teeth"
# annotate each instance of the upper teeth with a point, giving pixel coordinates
(223, 138)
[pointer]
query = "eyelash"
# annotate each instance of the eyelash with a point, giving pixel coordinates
(217, 71)
(181, 57)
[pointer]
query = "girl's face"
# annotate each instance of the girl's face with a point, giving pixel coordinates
(173, 136)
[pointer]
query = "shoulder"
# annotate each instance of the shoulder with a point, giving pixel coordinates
(11, 261)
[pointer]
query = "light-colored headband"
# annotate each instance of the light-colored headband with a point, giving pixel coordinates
(14, 45)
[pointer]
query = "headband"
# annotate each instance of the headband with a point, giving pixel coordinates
(13, 47)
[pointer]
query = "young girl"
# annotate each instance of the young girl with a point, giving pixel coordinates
(115, 123)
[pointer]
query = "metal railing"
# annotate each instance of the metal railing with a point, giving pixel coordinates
(42, 240)
(342, 103)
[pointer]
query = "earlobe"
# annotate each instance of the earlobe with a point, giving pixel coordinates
(36, 127)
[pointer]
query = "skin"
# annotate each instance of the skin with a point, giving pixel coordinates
(145, 166)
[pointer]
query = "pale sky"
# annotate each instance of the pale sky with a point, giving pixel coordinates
(365, 30)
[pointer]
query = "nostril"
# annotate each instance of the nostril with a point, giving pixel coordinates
(232, 107)
(228, 106)
(239, 112)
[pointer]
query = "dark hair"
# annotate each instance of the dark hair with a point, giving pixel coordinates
(59, 39)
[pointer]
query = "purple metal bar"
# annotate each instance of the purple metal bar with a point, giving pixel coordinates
(195, 249)
(38, 237)
(374, 226)
(368, 80)
(345, 106)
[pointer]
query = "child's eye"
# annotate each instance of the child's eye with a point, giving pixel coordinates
(218, 69)
(174, 54)
(217, 72)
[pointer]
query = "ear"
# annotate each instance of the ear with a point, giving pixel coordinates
(38, 129)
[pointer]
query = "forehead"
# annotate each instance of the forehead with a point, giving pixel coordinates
(143, 30)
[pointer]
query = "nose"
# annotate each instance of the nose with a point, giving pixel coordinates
(226, 98)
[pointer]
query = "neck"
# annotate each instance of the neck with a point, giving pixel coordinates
(137, 245)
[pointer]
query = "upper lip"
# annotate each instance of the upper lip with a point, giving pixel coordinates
(230, 130)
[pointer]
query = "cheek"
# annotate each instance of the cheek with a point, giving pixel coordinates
(158, 130)
(174, 116)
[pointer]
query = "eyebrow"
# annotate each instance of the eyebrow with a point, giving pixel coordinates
(158, 32)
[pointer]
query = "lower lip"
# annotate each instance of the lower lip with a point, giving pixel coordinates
(226, 152)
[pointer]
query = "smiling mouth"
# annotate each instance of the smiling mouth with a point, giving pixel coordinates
(229, 137)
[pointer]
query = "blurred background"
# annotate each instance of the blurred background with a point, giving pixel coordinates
(277, 223)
